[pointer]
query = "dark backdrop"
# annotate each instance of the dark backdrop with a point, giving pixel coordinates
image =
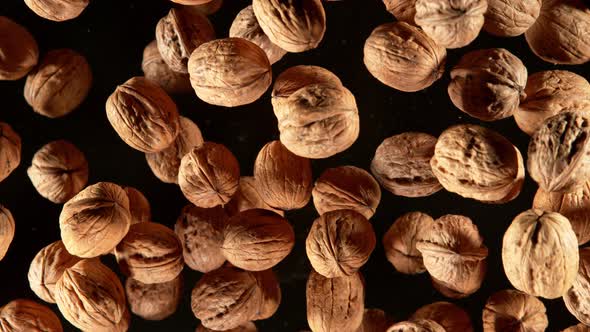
(112, 35)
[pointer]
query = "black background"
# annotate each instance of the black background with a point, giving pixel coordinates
(112, 35)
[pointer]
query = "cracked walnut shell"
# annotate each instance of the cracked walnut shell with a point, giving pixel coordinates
(511, 310)
(10, 150)
(154, 301)
(57, 10)
(20, 52)
(448, 315)
(577, 298)
(247, 197)
(7, 227)
(26, 315)
(156, 70)
(509, 18)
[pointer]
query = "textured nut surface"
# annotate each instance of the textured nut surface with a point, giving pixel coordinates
(25, 315)
(156, 70)
(57, 10)
(577, 298)
(247, 197)
(19, 48)
(153, 301)
(403, 57)
(508, 18)
(247, 327)
(10, 150)
(59, 171)
(271, 294)
(419, 325)
(577, 328)
(511, 310)
(488, 84)
(143, 115)
(540, 254)
(403, 10)
(450, 316)
(139, 206)
(7, 227)
(375, 320)
(402, 165)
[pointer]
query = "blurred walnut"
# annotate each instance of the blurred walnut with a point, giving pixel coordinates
(450, 316)
(208, 8)
(229, 72)
(508, 18)
(488, 84)
(192, 2)
(403, 10)
(143, 115)
(511, 310)
(402, 165)
(10, 150)
(403, 57)
(7, 227)
(577, 328)
(25, 315)
(57, 10)
(20, 52)
(577, 298)
(375, 320)
(58, 171)
(247, 197)
(247, 327)
(139, 206)
(156, 70)
(271, 294)
(419, 325)
(153, 301)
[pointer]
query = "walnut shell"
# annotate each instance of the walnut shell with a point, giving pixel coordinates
(247, 327)
(247, 197)
(509, 18)
(577, 298)
(154, 301)
(403, 57)
(209, 175)
(156, 70)
(284, 180)
(540, 254)
(402, 165)
(57, 10)
(511, 310)
(419, 325)
(295, 26)
(139, 206)
(192, 2)
(403, 10)
(208, 8)
(257, 239)
(143, 115)
(488, 84)
(450, 316)
(58, 171)
(271, 294)
(476, 162)
(7, 227)
(10, 150)
(25, 315)
(577, 328)
(19, 49)
(375, 320)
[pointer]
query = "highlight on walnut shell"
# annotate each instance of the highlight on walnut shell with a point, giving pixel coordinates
(403, 10)
(10, 150)
(19, 48)
(248, 197)
(271, 294)
(208, 8)
(422, 325)
(27, 315)
(510, 310)
(57, 10)
(375, 320)
(509, 18)
(7, 228)
(577, 300)
(154, 301)
(403, 57)
(156, 70)
(247, 327)
(139, 206)
(577, 328)
(448, 315)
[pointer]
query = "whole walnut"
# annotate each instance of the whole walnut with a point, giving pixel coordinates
(339, 243)
(229, 72)
(295, 26)
(166, 163)
(257, 239)
(509, 18)
(577, 328)
(419, 325)
(91, 297)
(94, 221)
(540, 254)
(26, 315)
(577, 298)
(10, 150)
(400, 240)
(47, 268)
(335, 304)
(207, 8)
(143, 115)
(209, 175)
(156, 70)
(548, 93)
(246, 26)
(139, 206)
(58, 171)
(19, 49)
(451, 23)
(402, 165)
(154, 301)
(57, 10)
(403, 57)
(7, 227)
(450, 316)
(59, 84)
(247, 327)
(488, 84)
(375, 320)
(511, 310)
(476, 162)
(284, 180)
(271, 294)
(247, 197)
(179, 33)
(403, 10)
(558, 156)
(560, 33)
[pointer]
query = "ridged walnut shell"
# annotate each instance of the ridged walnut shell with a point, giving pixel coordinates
(448, 315)
(10, 150)
(247, 197)
(25, 315)
(156, 70)
(57, 10)
(139, 206)
(19, 49)
(7, 227)
(511, 310)
(577, 298)
(246, 327)
(577, 328)
(403, 10)
(419, 325)
(509, 18)
(154, 301)
(375, 320)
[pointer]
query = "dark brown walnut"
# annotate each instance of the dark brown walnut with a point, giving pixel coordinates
(58, 171)
(402, 164)
(511, 310)
(271, 294)
(560, 33)
(209, 175)
(25, 315)
(20, 52)
(403, 10)
(7, 227)
(156, 70)
(450, 316)
(94, 221)
(403, 57)
(400, 240)
(257, 239)
(247, 197)
(179, 33)
(295, 26)
(509, 18)
(57, 10)
(284, 180)
(153, 301)
(549, 93)
(540, 254)
(450, 23)
(229, 72)
(488, 84)
(166, 163)
(209, 8)
(476, 162)
(10, 150)
(375, 320)
(419, 325)
(247, 327)
(192, 2)
(558, 156)
(139, 206)
(577, 328)
(577, 298)
(150, 253)
(454, 254)
(201, 234)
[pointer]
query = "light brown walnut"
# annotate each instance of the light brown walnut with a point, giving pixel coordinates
(10, 150)
(577, 328)
(511, 310)
(154, 301)
(271, 294)
(139, 206)
(403, 10)
(577, 298)
(450, 316)
(19, 49)
(509, 18)
(247, 327)
(247, 197)
(7, 228)
(419, 325)
(156, 70)
(57, 10)
(375, 320)
(25, 315)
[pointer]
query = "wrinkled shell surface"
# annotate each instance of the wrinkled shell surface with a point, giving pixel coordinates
(7, 228)
(153, 301)
(375, 320)
(511, 310)
(19, 49)
(297, 77)
(508, 18)
(139, 206)
(271, 294)
(577, 298)
(10, 150)
(419, 325)
(247, 327)
(25, 315)
(57, 10)
(403, 10)
(156, 70)
(247, 197)
(450, 316)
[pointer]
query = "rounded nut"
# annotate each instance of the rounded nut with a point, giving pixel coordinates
(19, 49)
(419, 325)
(139, 206)
(375, 320)
(57, 10)
(271, 294)
(153, 301)
(247, 327)
(26, 315)
(577, 328)
(403, 10)
(10, 150)
(156, 70)
(7, 227)
(450, 316)
(577, 297)
(247, 197)
(511, 310)
(509, 18)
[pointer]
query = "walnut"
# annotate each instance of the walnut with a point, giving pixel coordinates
(57, 10)
(540, 254)
(19, 48)
(156, 70)
(247, 197)
(139, 206)
(375, 320)
(509, 18)
(192, 2)
(166, 163)
(450, 316)
(403, 57)
(577, 298)
(511, 310)
(419, 325)
(10, 150)
(247, 327)
(94, 221)
(7, 227)
(154, 301)
(257, 239)
(295, 26)
(403, 10)
(209, 175)
(488, 84)
(271, 294)
(91, 297)
(284, 180)
(577, 328)
(560, 33)
(402, 165)
(58, 171)
(548, 93)
(208, 8)
(476, 162)
(229, 72)
(25, 315)
(143, 115)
